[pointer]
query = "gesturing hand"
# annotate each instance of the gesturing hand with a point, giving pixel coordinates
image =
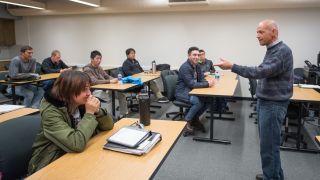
(224, 64)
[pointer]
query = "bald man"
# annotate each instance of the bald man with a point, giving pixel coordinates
(275, 87)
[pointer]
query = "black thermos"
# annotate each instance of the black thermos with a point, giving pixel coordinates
(144, 108)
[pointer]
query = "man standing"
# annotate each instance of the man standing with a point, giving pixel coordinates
(275, 87)
(53, 64)
(21, 67)
(206, 65)
(190, 77)
(99, 76)
(131, 66)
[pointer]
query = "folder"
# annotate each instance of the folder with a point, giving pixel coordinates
(143, 148)
(129, 136)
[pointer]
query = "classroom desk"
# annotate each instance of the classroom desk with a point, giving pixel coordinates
(145, 78)
(13, 84)
(302, 95)
(225, 87)
(97, 163)
(17, 113)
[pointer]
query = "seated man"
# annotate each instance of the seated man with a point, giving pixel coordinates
(131, 66)
(99, 76)
(53, 64)
(205, 64)
(207, 67)
(190, 77)
(21, 67)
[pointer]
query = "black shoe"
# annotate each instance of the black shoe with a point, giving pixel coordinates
(188, 130)
(259, 177)
(163, 100)
(198, 125)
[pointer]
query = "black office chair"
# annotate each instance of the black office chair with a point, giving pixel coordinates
(163, 74)
(253, 87)
(3, 90)
(16, 139)
(170, 82)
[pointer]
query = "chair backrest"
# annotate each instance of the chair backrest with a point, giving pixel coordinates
(253, 86)
(16, 139)
(114, 72)
(170, 81)
(38, 68)
(165, 73)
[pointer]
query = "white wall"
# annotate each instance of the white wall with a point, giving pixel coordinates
(165, 37)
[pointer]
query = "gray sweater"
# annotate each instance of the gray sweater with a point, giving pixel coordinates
(19, 69)
(275, 74)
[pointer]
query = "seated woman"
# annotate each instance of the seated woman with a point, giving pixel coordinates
(70, 116)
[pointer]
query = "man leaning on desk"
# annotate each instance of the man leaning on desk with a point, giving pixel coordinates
(275, 88)
(53, 64)
(131, 66)
(21, 67)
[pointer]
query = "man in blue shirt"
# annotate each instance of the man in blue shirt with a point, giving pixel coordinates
(275, 87)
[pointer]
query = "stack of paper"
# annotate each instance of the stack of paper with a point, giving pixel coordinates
(310, 86)
(8, 107)
(132, 141)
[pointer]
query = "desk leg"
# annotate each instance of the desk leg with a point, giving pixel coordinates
(149, 91)
(14, 97)
(113, 103)
(297, 148)
(211, 139)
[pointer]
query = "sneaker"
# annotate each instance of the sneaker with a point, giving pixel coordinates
(198, 125)
(259, 177)
(188, 130)
(163, 100)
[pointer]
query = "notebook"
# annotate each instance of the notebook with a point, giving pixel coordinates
(129, 136)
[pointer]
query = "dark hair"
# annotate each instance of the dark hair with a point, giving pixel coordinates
(68, 85)
(201, 51)
(193, 48)
(128, 51)
(94, 54)
(24, 48)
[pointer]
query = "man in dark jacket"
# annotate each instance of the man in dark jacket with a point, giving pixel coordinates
(131, 66)
(190, 77)
(275, 88)
(53, 64)
(206, 65)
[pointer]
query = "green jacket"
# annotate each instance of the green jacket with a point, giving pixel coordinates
(56, 136)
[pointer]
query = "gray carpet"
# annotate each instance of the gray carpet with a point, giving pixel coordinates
(240, 160)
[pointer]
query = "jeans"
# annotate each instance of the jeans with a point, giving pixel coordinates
(47, 84)
(199, 106)
(270, 117)
(31, 94)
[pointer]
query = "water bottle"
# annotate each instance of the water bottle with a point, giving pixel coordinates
(120, 78)
(217, 75)
(144, 107)
(154, 67)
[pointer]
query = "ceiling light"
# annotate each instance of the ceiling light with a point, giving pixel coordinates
(25, 3)
(93, 3)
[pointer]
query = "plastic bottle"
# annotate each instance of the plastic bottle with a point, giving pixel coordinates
(217, 75)
(120, 78)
